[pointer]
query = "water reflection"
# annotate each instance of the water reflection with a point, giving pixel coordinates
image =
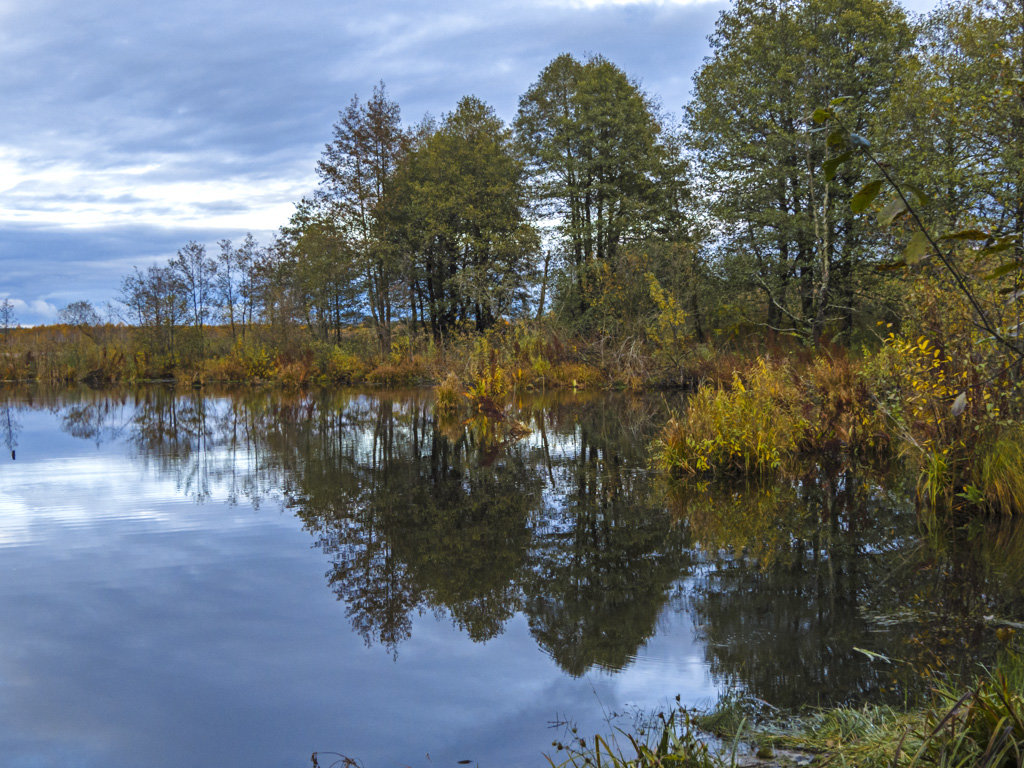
(9, 427)
(564, 525)
(810, 563)
(803, 574)
(421, 516)
(568, 528)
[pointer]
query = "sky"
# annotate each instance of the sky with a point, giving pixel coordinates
(129, 127)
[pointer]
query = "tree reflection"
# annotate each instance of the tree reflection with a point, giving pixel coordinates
(605, 555)
(797, 576)
(423, 515)
(9, 427)
(567, 527)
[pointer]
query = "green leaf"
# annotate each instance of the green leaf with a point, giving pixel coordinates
(866, 195)
(1001, 244)
(839, 100)
(832, 164)
(836, 139)
(966, 234)
(1004, 269)
(892, 211)
(821, 115)
(918, 249)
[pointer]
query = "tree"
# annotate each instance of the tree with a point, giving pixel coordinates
(598, 161)
(156, 303)
(232, 268)
(196, 273)
(354, 171)
(249, 256)
(784, 229)
(959, 115)
(86, 321)
(458, 205)
(235, 274)
(7, 318)
(323, 271)
(79, 313)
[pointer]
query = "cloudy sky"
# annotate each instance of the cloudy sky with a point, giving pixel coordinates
(128, 127)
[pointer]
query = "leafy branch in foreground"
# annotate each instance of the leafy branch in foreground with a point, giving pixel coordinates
(907, 201)
(955, 394)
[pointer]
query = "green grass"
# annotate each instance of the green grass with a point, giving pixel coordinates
(977, 723)
(669, 740)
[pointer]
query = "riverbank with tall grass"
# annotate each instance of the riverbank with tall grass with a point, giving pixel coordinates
(758, 406)
(971, 722)
(525, 356)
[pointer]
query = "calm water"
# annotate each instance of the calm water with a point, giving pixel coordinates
(190, 580)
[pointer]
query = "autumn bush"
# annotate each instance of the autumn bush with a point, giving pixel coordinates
(577, 375)
(770, 413)
(447, 395)
(343, 367)
(954, 406)
(401, 373)
(750, 427)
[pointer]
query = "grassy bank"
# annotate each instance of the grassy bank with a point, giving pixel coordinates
(970, 723)
(761, 405)
(521, 356)
(953, 419)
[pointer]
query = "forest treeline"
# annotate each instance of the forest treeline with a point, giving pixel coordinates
(602, 214)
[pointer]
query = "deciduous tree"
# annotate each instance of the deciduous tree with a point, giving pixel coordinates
(354, 171)
(599, 160)
(784, 229)
(458, 207)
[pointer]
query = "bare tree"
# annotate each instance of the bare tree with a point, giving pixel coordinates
(196, 273)
(155, 302)
(7, 318)
(234, 275)
(250, 256)
(81, 314)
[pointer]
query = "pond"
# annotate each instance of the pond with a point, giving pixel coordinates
(246, 578)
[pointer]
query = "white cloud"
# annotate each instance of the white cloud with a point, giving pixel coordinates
(37, 307)
(72, 194)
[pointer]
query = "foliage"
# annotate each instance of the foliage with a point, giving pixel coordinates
(489, 386)
(794, 257)
(667, 332)
(669, 740)
(355, 169)
(601, 163)
(753, 427)
(771, 413)
(955, 392)
(977, 722)
(457, 206)
(447, 395)
(396, 374)
(343, 367)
